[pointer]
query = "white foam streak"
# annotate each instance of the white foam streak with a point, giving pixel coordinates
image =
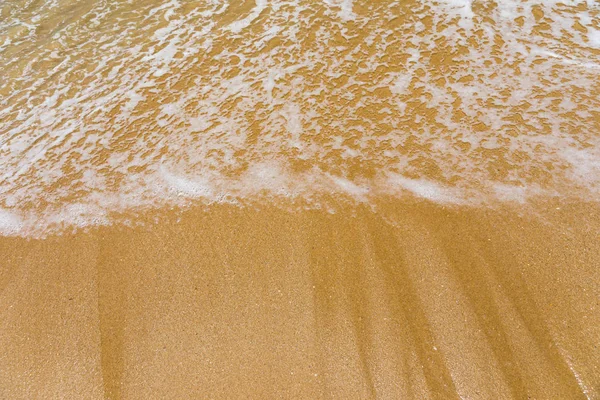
(238, 26)
(425, 189)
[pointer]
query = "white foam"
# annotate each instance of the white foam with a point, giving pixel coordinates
(400, 84)
(350, 188)
(463, 7)
(10, 223)
(512, 193)
(195, 187)
(164, 105)
(265, 176)
(594, 37)
(259, 7)
(425, 189)
(585, 167)
(345, 8)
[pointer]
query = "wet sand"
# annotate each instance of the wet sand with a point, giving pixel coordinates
(413, 300)
(112, 107)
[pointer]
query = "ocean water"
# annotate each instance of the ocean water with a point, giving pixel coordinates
(108, 107)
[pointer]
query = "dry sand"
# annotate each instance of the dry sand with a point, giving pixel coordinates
(413, 300)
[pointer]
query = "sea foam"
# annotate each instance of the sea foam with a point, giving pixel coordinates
(457, 102)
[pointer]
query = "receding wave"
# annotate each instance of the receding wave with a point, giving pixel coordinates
(113, 106)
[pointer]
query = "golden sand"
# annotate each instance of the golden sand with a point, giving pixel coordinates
(412, 301)
(462, 262)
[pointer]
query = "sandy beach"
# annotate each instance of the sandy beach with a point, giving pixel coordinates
(414, 300)
(299, 199)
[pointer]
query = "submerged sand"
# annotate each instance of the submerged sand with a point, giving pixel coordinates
(411, 300)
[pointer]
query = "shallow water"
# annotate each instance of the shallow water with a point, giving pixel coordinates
(108, 107)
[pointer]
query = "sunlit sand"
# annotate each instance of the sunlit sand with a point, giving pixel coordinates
(290, 199)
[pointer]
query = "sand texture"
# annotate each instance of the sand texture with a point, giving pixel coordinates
(299, 199)
(412, 301)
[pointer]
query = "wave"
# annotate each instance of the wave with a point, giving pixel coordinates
(109, 107)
